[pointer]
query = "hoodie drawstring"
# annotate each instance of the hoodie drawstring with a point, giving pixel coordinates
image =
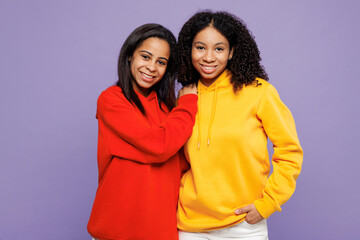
(212, 114)
(211, 117)
(198, 120)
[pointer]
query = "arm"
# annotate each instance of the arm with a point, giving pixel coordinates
(184, 164)
(287, 159)
(130, 136)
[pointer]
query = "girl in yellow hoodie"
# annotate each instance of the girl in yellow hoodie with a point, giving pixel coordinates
(228, 192)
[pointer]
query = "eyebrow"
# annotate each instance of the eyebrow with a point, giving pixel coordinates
(153, 55)
(219, 43)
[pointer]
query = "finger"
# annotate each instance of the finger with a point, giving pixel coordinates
(242, 210)
(250, 219)
(253, 217)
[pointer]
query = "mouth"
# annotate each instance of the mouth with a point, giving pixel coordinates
(207, 68)
(146, 77)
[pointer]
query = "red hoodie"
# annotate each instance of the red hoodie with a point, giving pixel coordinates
(139, 166)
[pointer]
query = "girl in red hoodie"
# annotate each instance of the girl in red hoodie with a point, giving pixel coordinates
(140, 134)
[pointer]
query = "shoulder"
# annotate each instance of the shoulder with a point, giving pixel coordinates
(259, 91)
(259, 86)
(262, 86)
(111, 93)
(112, 97)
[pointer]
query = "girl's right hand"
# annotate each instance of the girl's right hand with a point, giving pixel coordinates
(189, 89)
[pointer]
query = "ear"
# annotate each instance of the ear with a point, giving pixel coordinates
(129, 59)
(231, 53)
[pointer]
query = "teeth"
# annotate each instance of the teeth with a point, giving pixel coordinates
(208, 68)
(148, 76)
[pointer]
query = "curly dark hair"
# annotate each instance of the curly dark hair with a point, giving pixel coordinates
(165, 87)
(245, 63)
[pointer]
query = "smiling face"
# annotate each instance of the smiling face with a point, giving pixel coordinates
(148, 64)
(210, 54)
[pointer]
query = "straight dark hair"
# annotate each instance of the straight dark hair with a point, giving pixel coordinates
(165, 87)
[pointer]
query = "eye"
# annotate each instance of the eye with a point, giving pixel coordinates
(219, 49)
(146, 57)
(162, 62)
(199, 47)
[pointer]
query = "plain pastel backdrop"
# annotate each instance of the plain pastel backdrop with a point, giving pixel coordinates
(57, 56)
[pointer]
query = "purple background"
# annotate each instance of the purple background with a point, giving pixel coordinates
(56, 58)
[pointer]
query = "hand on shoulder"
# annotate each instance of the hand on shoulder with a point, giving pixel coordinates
(189, 89)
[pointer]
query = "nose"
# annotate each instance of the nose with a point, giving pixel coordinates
(208, 56)
(151, 66)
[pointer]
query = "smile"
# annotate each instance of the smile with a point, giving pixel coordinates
(208, 69)
(147, 78)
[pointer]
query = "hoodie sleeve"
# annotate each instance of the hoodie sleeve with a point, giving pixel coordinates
(184, 164)
(128, 134)
(287, 159)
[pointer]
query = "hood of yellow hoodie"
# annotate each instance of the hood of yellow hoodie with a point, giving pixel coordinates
(223, 81)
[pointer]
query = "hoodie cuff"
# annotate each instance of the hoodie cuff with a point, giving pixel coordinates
(265, 207)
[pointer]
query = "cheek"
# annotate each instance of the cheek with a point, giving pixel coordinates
(135, 63)
(195, 60)
(224, 59)
(162, 72)
(195, 56)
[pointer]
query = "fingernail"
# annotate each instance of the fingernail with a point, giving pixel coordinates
(237, 211)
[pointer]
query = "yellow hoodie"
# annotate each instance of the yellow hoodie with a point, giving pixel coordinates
(229, 159)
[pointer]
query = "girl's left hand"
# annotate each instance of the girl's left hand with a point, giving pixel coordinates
(252, 214)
